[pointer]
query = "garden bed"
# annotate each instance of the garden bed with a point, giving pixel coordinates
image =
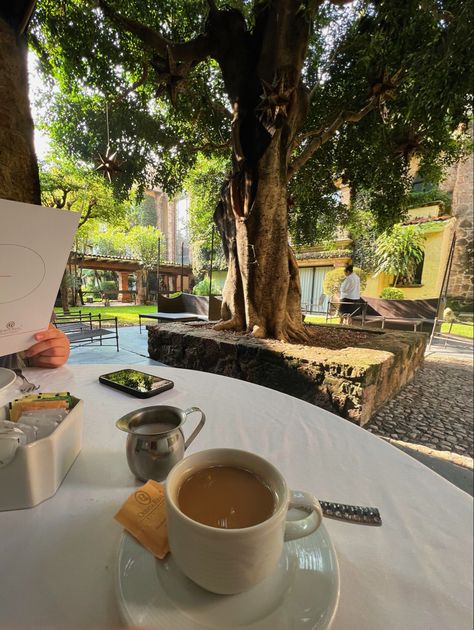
(349, 371)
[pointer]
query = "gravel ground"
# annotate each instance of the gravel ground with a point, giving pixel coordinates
(435, 410)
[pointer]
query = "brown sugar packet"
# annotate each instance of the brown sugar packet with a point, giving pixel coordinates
(143, 515)
(59, 400)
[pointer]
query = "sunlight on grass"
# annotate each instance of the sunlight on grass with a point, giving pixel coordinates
(126, 315)
(460, 330)
(320, 319)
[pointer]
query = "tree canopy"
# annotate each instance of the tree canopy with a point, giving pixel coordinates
(386, 81)
(299, 95)
(203, 184)
(67, 184)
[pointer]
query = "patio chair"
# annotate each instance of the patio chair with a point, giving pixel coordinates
(88, 329)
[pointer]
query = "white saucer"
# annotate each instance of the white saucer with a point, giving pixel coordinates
(302, 593)
(7, 377)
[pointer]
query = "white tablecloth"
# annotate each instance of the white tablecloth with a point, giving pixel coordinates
(415, 572)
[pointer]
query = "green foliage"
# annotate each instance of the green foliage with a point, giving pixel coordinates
(203, 185)
(146, 211)
(101, 239)
(142, 242)
(110, 288)
(202, 288)
(364, 230)
(90, 63)
(333, 280)
(68, 183)
(432, 226)
(416, 199)
(399, 250)
(423, 48)
(392, 293)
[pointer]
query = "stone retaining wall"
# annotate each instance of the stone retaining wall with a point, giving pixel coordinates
(353, 382)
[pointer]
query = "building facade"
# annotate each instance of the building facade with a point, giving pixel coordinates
(443, 228)
(461, 280)
(172, 217)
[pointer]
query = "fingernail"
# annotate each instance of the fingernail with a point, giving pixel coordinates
(39, 336)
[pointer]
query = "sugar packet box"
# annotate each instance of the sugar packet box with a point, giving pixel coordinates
(39, 468)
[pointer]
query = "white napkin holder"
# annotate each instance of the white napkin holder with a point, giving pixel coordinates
(38, 468)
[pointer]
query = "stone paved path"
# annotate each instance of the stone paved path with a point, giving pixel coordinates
(435, 410)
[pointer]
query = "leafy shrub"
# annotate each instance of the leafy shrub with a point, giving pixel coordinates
(109, 287)
(333, 280)
(392, 293)
(421, 198)
(399, 251)
(202, 288)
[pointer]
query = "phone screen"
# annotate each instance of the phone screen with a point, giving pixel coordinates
(139, 381)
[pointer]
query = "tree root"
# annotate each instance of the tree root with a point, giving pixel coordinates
(233, 323)
(296, 332)
(259, 332)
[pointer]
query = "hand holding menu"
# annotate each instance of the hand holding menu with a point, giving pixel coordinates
(34, 246)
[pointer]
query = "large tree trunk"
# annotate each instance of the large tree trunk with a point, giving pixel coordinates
(262, 293)
(19, 178)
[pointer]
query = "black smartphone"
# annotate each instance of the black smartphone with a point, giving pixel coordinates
(136, 383)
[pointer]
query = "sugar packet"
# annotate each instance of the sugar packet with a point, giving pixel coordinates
(143, 515)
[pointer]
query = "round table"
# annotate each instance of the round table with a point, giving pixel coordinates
(414, 572)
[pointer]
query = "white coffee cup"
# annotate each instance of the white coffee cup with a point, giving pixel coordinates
(229, 561)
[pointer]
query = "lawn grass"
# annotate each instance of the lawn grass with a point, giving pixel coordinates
(320, 319)
(460, 330)
(126, 315)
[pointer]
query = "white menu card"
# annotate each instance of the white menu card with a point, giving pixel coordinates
(34, 247)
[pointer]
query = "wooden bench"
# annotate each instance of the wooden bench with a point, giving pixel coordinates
(402, 314)
(184, 308)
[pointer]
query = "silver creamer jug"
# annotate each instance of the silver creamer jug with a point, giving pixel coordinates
(155, 441)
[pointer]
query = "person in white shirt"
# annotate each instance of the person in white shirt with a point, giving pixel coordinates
(349, 294)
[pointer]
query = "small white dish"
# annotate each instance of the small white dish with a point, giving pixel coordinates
(302, 593)
(7, 378)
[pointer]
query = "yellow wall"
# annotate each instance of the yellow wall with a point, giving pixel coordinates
(425, 211)
(437, 246)
(218, 280)
(375, 284)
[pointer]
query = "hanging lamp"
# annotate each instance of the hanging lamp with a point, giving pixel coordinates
(108, 164)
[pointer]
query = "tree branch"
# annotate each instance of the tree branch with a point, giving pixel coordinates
(193, 51)
(92, 203)
(134, 86)
(211, 145)
(60, 203)
(325, 132)
(212, 6)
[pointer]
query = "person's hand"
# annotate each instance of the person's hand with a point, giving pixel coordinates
(51, 350)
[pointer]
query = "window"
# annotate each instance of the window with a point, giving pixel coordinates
(420, 185)
(414, 278)
(419, 271)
